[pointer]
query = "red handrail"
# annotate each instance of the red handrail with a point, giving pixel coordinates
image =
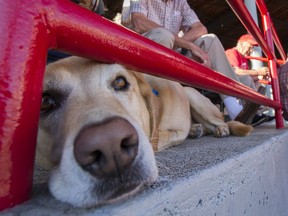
(246, 19)
(29, 29)
(279, 61)
(266, 43)
(264, 12)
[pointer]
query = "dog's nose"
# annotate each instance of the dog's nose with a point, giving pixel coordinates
(108, 148)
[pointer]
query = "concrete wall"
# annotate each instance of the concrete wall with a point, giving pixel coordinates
(253, 183)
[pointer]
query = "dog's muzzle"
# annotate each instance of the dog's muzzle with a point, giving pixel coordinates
(108, 148)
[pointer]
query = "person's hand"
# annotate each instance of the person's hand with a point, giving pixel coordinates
(202, 56)
(263, 71)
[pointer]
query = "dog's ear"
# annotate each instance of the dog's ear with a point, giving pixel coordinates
(154, 107)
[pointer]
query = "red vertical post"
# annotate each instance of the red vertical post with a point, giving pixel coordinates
(273, 68)
(263, 11)
(23, 58)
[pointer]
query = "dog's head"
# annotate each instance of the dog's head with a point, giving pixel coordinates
(94, 132)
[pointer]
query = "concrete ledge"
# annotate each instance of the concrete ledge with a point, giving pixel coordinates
(207, 176)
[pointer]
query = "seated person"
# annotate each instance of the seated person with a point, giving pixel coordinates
(161, 21)
(237, 58)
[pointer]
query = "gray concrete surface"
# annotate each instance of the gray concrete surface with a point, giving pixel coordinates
(185, 171)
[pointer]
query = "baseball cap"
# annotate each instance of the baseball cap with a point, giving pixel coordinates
(248, 38)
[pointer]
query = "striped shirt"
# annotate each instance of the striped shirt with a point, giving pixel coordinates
(173, 15)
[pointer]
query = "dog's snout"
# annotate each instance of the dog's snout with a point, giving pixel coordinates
(108, 148)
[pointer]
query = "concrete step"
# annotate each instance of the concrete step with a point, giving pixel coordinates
(206, 177)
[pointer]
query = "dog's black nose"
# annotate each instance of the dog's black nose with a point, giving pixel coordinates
(106, 149)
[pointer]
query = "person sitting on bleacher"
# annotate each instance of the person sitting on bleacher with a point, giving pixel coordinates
(161, 21)
(237, 58)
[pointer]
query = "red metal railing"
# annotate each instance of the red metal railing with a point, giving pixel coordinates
(29, 29)
(266, 44)
(278, 61)
(269, 29)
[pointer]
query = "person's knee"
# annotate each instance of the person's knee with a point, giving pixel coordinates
(209, 36)
(213, 39)
(248, 81)
(212, 35)
(161, 36)
(208, 41)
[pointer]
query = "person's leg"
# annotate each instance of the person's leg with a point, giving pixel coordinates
(161, 36)
(248, 81)
(232, 105)
(219, 62)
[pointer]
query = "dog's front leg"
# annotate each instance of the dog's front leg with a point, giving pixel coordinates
(166, 139)
(198, 130)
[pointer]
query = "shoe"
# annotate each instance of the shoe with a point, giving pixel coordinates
(262, 90)
(262, 109)
(250, 109)
(260, 119)
(247, 114)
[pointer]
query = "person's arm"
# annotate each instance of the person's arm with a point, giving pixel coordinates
(141, 23)
(196, 51)
(196, 30)
(263, 71)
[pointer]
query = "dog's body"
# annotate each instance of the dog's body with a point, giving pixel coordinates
(98, 122)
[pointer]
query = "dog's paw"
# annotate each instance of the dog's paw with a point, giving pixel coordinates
(221, 131)
(196, 131)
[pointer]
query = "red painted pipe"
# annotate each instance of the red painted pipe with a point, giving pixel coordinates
(263, 10)
(29, 28)
(113, 43)
(278, 61)
(267, 46)
(267, 26)
(246, 19)
(273, 69)
(22, 53)
(278, 44)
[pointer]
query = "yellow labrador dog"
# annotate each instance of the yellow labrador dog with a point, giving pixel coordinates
(100, 123)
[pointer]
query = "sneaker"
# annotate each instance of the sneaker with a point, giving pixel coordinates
(260, 119)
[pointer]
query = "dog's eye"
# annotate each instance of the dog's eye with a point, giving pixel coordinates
(48, 103)
(120, 83)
